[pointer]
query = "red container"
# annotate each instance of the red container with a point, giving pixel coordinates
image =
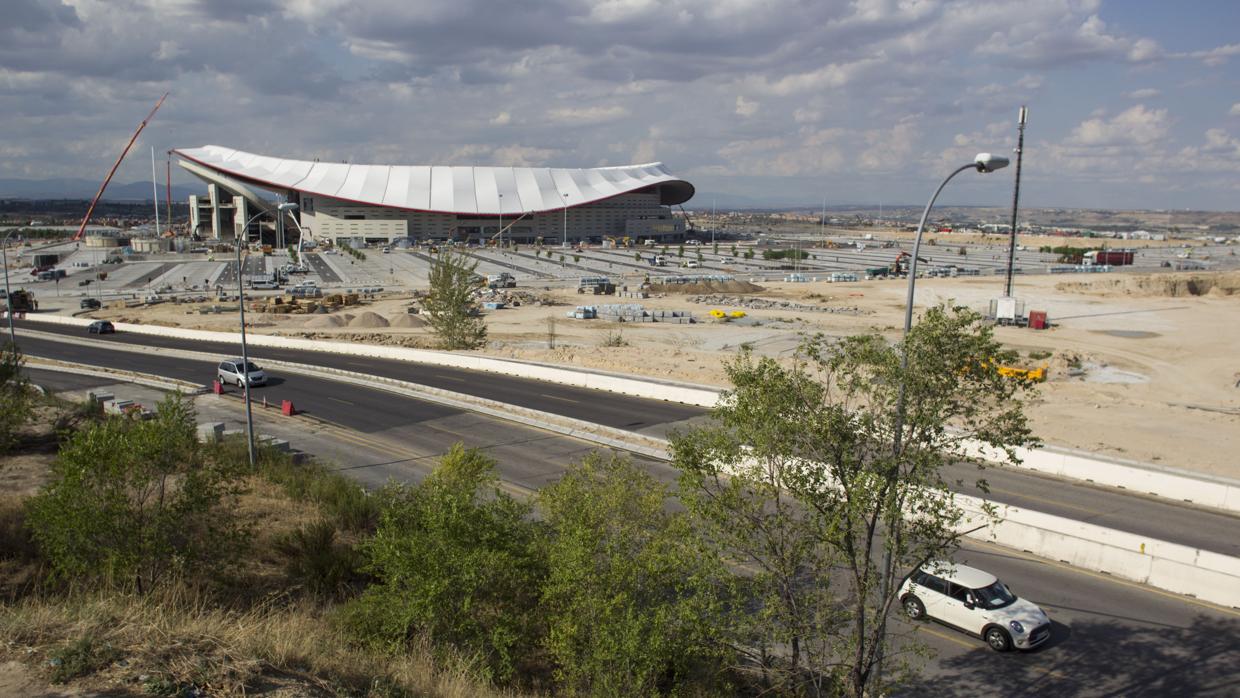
(1037, 319)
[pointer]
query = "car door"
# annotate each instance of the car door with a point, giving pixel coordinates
(227, 372)
(932, 591)
(955, 609)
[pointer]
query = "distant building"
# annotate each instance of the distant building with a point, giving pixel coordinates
(387, 204)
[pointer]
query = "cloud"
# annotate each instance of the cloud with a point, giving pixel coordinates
(746, 107)
(587, 115)
(501, 119)
(1144, 93)
(1134, 126)
(1235, 110)
(1216, 56)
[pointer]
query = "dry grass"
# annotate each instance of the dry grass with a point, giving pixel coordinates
(179, 637)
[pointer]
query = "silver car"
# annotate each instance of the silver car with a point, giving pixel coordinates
(230, 371)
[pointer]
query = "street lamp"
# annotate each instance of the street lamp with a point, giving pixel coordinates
(501, 220)
(565, 242)
(984, 162)
(245, 353)
(8, 294)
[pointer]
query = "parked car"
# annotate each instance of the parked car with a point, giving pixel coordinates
(977, 603)
(101, 327)
(231, 371)
(91, 304)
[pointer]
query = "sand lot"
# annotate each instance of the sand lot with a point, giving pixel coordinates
(1142, 366)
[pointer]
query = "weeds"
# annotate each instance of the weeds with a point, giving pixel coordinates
(81, 658)
(316, 562)
(614, 338)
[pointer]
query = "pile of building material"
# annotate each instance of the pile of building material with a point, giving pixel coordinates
(295, 306)
(631, 312)
(754, 303)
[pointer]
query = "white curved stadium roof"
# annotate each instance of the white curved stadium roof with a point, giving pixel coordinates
(443, 189)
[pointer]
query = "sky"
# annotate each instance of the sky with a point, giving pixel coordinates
(1132, 104)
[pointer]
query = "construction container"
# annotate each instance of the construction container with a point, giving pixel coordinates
(1037, 320)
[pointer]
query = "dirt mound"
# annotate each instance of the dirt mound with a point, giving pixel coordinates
(703, 287)
(406, 320)
(369, 319)
(1213, 284)
(325, 321)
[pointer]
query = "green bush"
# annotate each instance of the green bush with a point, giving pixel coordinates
(15, 397)
(785, 254)
(81, 658)
(630, 596)
(135, 501)
(455, 561)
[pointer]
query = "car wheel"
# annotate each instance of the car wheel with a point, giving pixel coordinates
(914, 608)
(998, 639)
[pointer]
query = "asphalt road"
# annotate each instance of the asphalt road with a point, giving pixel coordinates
(373, 410)
(1109, 637)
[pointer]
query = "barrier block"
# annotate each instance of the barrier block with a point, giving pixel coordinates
(217, 387)
(286, 408)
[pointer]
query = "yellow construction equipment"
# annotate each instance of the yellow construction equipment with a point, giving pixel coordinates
(1036, 375)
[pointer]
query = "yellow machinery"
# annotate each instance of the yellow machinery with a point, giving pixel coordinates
(1034, 374)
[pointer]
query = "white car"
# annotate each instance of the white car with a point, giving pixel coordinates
(231, 371)
(975, 602)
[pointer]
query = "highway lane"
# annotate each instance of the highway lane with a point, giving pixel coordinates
(1158, 519)
(609, 409)
(1110, 637)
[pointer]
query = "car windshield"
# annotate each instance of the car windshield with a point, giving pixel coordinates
(994, 596)
(251, 368)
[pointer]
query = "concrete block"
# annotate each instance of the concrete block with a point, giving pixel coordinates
(210, 432)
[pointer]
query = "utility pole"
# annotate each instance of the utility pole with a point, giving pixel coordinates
(1020, 150)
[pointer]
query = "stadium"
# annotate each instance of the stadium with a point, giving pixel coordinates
(391, 204)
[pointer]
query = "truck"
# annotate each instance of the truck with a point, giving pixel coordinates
(22, 301)
(1115, 258)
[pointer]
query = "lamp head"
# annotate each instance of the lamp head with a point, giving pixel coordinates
(287, 206)
(985, 162)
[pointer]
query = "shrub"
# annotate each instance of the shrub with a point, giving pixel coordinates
(80, 658)
(14, 397)
(133, 501)
(316, 562)
(343, 501)
(630, 596)
(455, 560)
(614, 339)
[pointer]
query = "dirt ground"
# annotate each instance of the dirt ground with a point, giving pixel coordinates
(1142, 366)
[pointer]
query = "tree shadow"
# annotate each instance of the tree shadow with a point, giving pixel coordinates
(1101, 658)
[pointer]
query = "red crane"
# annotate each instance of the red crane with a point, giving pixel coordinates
(90, 211)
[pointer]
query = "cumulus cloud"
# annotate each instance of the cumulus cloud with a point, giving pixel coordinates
(1134, 126)
(501, 119)
(1235, 110)
(746, 107)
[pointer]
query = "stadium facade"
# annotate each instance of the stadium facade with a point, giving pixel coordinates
(388, 204)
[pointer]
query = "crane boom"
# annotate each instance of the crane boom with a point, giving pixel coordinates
(90, 211)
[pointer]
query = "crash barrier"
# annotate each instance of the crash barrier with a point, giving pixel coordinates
(1169, 483)
(1176, 568)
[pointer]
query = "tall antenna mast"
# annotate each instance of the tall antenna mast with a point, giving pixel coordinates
(1020, 151)
(155, 190)
(168, 190)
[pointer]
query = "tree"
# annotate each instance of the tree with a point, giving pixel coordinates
(631, 596)
(451, 309)
(134, 501)
(823, 433)
(14, 396)
(456, 561)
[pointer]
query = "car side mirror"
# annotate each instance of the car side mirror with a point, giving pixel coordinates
(969, 604)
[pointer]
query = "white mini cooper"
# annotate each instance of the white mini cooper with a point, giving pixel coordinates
(975, 602)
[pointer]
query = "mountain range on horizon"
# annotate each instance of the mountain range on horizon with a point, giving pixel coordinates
(76, 188)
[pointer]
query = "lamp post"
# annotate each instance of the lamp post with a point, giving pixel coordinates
(984, 162)
(8, 294)
(245, 353)
(564, 243)
(501, 220)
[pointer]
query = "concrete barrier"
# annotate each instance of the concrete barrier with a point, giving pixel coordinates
(1176, 568)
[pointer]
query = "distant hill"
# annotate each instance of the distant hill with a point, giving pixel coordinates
(85, 189)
